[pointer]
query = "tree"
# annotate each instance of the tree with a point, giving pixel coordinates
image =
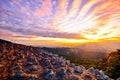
(111, 64)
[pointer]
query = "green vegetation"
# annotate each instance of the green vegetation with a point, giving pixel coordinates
(111, 65)
(86, 63)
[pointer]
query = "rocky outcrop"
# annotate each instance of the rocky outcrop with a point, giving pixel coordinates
(19, 62)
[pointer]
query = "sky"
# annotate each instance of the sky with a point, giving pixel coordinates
(59, 22)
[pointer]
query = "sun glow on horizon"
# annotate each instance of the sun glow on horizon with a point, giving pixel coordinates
(61, 41)
(60, 21)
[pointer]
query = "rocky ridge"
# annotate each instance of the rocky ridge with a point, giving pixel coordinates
(20, 62)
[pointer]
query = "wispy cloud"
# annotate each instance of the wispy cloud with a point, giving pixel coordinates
(69, 19)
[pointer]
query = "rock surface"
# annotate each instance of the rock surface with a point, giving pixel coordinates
(20, 62)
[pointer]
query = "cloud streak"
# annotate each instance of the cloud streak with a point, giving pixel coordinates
(70, 19)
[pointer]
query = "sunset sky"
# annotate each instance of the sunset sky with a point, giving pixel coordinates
(59, 22)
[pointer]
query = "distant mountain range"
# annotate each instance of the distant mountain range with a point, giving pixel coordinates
(77, 53)
(92, 51)
(100, 46)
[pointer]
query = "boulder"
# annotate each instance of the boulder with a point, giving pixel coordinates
(106, 77)
(45, 62)
(27, 64)
(61, 74)
(32, 78)
(87, 77)
(32, 69)
(91, 70)
(74, 78)
(48, 74)
(103, 75)
(18, 76)
(68, 62)
(72, 65)
(31, 59)
(53, 61)
(82, 67)
(78, 70)
(63, 64)
(97, 72)
(98, 77)
(69, 71)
